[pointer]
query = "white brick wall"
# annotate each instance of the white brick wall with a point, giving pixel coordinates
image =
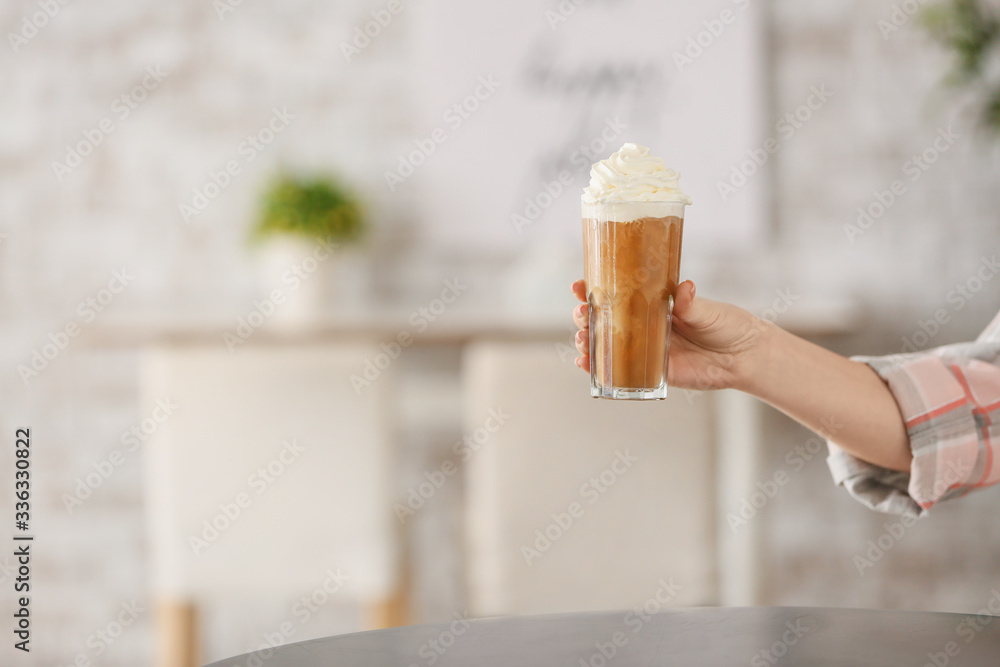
(888, 106)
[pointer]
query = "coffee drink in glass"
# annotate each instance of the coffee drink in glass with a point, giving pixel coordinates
(633, 222)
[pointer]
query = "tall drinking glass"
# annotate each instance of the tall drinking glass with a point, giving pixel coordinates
(632, 258)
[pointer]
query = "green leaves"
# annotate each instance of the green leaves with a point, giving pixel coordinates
(312, 208)
(972, 31)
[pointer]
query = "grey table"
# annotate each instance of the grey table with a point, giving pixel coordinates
(758, 637)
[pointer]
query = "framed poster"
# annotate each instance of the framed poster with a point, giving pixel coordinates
(517, 99)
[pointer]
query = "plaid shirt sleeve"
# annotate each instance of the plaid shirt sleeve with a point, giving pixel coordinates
(950, 400)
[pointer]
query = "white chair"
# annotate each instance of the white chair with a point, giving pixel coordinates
(642, 535)
(270, 472)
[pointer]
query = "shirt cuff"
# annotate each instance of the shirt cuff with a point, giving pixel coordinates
(942, 436)
(876, 488)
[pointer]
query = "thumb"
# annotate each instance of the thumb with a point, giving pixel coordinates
(696, 313)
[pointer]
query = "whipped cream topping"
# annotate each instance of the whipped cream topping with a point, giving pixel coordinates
(632, 174)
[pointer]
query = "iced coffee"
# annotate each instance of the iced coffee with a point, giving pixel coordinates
(633, 221)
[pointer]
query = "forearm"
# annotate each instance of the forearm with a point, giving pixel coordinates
(840, 399)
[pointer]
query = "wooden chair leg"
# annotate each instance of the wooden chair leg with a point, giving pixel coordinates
(176, 634)
(393, 611)
(388, 613)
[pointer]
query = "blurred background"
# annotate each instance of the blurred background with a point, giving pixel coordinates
(244, 436)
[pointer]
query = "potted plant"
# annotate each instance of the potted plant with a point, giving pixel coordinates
(307, 225)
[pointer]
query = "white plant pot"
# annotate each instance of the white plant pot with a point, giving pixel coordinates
(315, 281)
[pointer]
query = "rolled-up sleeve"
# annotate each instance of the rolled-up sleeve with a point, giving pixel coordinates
(950, 401)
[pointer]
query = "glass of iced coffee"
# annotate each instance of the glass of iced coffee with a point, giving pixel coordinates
(633, 221)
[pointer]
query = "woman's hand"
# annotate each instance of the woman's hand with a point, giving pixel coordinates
(719, 346)
(713, 345)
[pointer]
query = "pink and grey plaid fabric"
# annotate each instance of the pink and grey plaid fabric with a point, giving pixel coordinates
(950, 399)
